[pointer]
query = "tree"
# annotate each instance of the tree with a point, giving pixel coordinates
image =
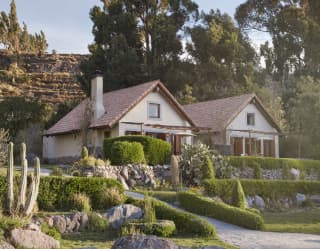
(136, 40)
(222, 57)
(238, 197)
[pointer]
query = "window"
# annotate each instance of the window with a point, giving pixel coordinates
(250, 119)
(153, 110)
(107, 134)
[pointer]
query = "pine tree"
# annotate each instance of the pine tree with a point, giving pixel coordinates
(14, 28)
(238, 196)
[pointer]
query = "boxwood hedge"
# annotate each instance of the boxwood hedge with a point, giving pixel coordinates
(221, 211)
(274, 189)
(55, 193)
(126, 152)
(274, 163)
(156, 151)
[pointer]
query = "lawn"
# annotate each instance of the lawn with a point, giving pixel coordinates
(106, 239)
(294, 221)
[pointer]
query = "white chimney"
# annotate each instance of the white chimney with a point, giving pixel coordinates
(97, 96)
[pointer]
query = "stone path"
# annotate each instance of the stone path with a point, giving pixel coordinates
(251, 239)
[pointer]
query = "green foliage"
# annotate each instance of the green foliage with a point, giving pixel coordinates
(18, 113)
(126, 152)
(274, 189)
(204, 206)
(108, 197)
(274, 163)
(238, 196)
(55, 193)
(166, 196)
(81, 202)
(149, 213)
(84, 152)
(257, 171)
(207, 168)
(156, 151)
(96, 223)
(56, 171)
(51, 231)
(163, 228)
(185, 222)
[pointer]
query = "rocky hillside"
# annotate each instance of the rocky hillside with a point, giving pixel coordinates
(50, 77)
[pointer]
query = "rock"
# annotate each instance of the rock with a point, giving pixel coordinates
(259, 202)
(212, 247)
(5, 245)
(124, 172)
(122, 213)
(32, 226)
(153, 183)
(60, 223)
(250, 201)
(49, 221)
(84, 221)
(123, 182)
(314, 198)
(87, 248)
(144, 242)
(295, 173)
(300, 198)
(33, 239)
(132, 183)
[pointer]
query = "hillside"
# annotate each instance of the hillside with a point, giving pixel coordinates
(50, 77)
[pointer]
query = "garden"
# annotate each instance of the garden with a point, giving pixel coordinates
(87, 205)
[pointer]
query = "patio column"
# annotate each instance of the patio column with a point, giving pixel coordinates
(243, 145)
(261, 147)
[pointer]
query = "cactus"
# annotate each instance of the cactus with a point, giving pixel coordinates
(25, 201)
(174, 171)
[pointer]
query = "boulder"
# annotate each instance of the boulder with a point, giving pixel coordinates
(144, 242)
(122, 213)
(60, 223)
(123, 182)
(5, 245)
(314, 198)
(300, 198)
(84, 220)
(29, 239)
(32, 226)
(259, 202)
(295, 173)
(250, 201)
(125, 173)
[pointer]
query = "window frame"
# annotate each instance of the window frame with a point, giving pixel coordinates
(253, 115)
(158, 109)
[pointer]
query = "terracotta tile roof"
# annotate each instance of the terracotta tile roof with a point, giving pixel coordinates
(217, 114)
(116, 103)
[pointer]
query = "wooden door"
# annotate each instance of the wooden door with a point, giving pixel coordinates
(177, 145)
(237, 146)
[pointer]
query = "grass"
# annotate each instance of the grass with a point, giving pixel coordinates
(106, 239)
(294, 221)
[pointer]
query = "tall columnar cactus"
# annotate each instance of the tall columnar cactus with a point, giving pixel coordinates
(174, 171)
(25, 201)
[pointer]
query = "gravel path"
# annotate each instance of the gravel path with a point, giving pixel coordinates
(250, 239)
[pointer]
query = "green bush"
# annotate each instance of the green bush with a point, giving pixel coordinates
(51, 231)
(81, 202)
(274, 163)
(207, 168)
(84, 152)
(185, 222)
(156, 151)
(126, 152)
(167, 196)
(257, 171)
(108, 197)
(204, 206)
(55, 193)
(274, 189)
(238, 197)
(96, 223)
(163, 228)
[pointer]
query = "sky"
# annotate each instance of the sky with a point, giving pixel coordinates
(67, 25)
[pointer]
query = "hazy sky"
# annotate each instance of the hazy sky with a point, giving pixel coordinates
(67, 25)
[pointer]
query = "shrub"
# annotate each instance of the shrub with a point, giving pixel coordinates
(257, 171)
(56, 171)
(89, 161)
(84, 152)
(219, 210)
(81, 202)
(109, 197)
(167, 196)
(126, 152)
(156, 151)
(274, 189)
(207, 168)
(238, 197)
(163, 228)
(185, 222)
(97, 223)
(100, 162)
(51, 231)
(149, 213)
(286, 172)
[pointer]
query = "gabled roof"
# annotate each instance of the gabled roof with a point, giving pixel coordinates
(218, 114)
(117, 104)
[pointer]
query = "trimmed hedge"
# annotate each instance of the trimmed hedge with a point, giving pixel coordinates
(273, 163)
(186, 223)
(221, 211)
(156, 151)
(274, 189)
(167, 196)
(163, 228)
(126, 152)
